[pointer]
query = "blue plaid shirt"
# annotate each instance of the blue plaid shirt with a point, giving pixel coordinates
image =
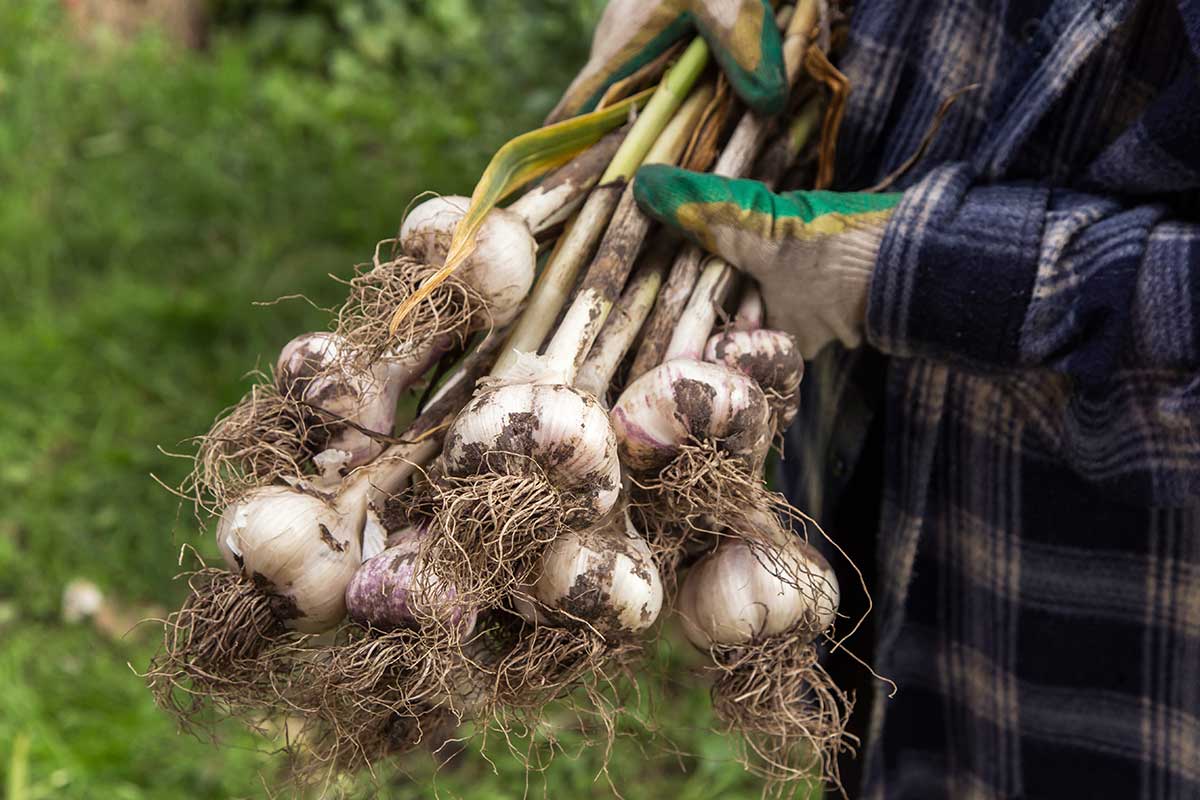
(1037, 304)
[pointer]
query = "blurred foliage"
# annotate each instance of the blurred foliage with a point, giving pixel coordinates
(150, 195)
(462, 50)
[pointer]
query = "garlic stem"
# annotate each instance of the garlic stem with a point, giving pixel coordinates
(557, 279)
(798, 36)
(615, 257)
(658, 330)
(780, 154)
(672, 91)
(736, 160)
(696, 323)
(573, 337)
(749, 315)
(626, 320)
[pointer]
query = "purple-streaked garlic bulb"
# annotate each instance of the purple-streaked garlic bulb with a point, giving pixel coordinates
(500, 268)
(771, 358)
(603, 575)
(391, 591)
(742, 593)
(684, 401)
(298, 548)
(522, 427)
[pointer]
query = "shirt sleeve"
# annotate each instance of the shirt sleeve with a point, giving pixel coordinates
(1020, 275)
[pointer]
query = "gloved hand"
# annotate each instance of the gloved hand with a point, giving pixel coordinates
(742, 34)
(811, 252)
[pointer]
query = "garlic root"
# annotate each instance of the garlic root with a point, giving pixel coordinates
(218, 648)
(756, 610)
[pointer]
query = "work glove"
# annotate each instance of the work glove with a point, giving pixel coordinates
(811, 252)
(742, 34)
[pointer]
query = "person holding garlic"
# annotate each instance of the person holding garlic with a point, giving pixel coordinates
(1002, 411)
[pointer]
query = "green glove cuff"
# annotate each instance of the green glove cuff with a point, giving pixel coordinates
(698, 203)
(750, 53)
(663, 41)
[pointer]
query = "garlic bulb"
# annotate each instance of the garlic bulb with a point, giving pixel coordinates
(299, 548)
(684, 400)
(308, 368)
(500, 268)
(604, 575)
(564, 432)
(738, 593)
(390, 591)
(304, 358)
(771, 358)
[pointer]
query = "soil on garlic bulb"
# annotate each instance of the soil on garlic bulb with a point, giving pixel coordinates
(603, 577)
(694, 436)
(772, 359)
(521, 465)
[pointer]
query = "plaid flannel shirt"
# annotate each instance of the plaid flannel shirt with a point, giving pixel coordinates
(1037, 298)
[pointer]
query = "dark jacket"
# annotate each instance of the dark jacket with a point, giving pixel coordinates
(1037, 306)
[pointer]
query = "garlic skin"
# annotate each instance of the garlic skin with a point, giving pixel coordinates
(771, 358)
(684, 400)
(298, 548)
(374, 536)
(502, 265)
(304, 358)
(388, 591)
(307, 369)
(604, 575)
(736, 595)
(564, 432)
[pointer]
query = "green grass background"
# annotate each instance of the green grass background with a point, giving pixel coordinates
(147, 197)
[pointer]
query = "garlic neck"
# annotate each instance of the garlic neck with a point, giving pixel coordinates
(698, 318)
(564, 354)
(750, 313)
(575, 335)
(388, 473)
(544, 207)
